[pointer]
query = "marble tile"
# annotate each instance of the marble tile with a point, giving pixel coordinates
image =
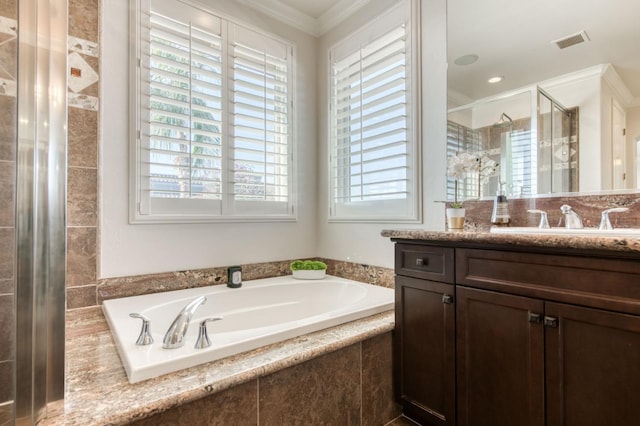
(81, 256)
(83, 19)
(8, 56)
(402, 421)
(237, 406)
(82, 101)
(9, 8)
(325, 390)
(6, 378)
(7, 334)
(7, 193)
(85, 47)
(378, 405)
(8, 129)
(82, 196)
(6, 286)
(83, 74)
(81, 297)
(82, 138)
(257, 271)
(375, 275)
(6, 410)
(7, 236)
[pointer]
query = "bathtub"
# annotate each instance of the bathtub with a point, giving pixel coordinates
(260, 313)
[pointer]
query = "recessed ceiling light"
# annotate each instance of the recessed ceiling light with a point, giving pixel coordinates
(496, 79)
(466, 59)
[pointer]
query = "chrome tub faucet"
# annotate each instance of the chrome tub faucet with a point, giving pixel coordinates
(174, 337)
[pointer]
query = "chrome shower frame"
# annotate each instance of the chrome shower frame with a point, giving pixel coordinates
(40, 207)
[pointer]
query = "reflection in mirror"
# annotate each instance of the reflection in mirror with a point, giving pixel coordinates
(578, 133)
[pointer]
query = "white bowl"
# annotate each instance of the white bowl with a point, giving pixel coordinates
(316, 274)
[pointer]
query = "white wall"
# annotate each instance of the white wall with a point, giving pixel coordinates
(362, 242)
(140, 249)
(633, 153)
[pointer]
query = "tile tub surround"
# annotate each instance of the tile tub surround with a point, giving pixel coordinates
(589, 207)
(111, 288)
(99, 393)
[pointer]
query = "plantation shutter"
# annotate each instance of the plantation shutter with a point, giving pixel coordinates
(214, 118)
(373, 156)
(183, 130)
(260, 97)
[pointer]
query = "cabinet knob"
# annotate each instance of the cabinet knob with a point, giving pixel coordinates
(535, 318)
(422, 262)
(447, 299)
(551, 322)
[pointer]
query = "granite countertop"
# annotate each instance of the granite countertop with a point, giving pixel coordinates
(613, 244)
(98, 392)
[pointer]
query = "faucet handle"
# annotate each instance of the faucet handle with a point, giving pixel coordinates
(605, 223)
(145, 332)
(544, 222)
(203, 337)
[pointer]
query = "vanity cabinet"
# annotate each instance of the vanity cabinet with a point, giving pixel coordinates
(531, 338)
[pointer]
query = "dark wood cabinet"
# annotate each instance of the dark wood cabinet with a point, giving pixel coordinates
(528, 339)
(425, 348)
(500, 359)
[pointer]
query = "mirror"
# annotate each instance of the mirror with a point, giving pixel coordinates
(579, 132)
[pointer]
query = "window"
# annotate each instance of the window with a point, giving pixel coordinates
(373, 126)
(213, 130)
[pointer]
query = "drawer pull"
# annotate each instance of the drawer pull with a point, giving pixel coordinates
(551, 322)
(422, 262)
(447, 299)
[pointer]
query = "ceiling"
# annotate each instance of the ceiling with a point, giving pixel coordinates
(513, 38)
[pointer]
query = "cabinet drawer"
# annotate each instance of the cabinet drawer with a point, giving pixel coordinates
(426, 262)
(612, 284)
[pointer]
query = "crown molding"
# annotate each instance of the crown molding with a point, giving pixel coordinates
(297, 19)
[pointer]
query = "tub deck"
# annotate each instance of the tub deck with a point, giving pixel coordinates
(98, 392)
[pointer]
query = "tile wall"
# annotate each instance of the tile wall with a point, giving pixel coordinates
(352, 386)
(8, 132)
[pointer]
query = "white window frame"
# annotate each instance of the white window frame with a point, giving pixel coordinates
(189, 210)
(406, 210)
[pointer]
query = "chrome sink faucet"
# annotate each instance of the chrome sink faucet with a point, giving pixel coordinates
(605, 223)
(572, 220)
(174, 337)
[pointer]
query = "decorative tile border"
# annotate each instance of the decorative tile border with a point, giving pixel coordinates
(85, 47)
(8, 26)
(8, 87)
(77, 100)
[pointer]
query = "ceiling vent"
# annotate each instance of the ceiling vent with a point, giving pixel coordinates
(571, 40)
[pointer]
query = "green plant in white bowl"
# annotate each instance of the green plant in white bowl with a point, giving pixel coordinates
(308, 269)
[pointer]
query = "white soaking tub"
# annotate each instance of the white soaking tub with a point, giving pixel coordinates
(259, 313)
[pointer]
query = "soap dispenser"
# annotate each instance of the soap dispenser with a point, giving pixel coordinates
(500, 214)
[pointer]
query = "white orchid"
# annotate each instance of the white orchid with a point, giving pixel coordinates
(459, 164)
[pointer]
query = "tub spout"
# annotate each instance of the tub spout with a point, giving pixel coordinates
(174, 337)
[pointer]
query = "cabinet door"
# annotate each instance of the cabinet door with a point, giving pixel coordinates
(593, 367)
(500, 359)
(424, 350)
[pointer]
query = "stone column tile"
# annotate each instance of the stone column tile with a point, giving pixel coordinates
(237, 406)
(81, 297)
(8, 123)
(7, 193)
(9, 8)
(82, 197)
(83, 138)
(321, 391)
(7, 236)
(7, 334)
(83, 19)
(378, 405)
(6, 414)
(6, 287)
(6, 378)
(81, 256)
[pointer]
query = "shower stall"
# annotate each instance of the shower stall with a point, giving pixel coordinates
(33, 53)
(530, 134)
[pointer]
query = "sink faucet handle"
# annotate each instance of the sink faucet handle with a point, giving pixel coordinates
(145, 332)
(203, 337)
(572, 220)
(544, 222)
(605, 223)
